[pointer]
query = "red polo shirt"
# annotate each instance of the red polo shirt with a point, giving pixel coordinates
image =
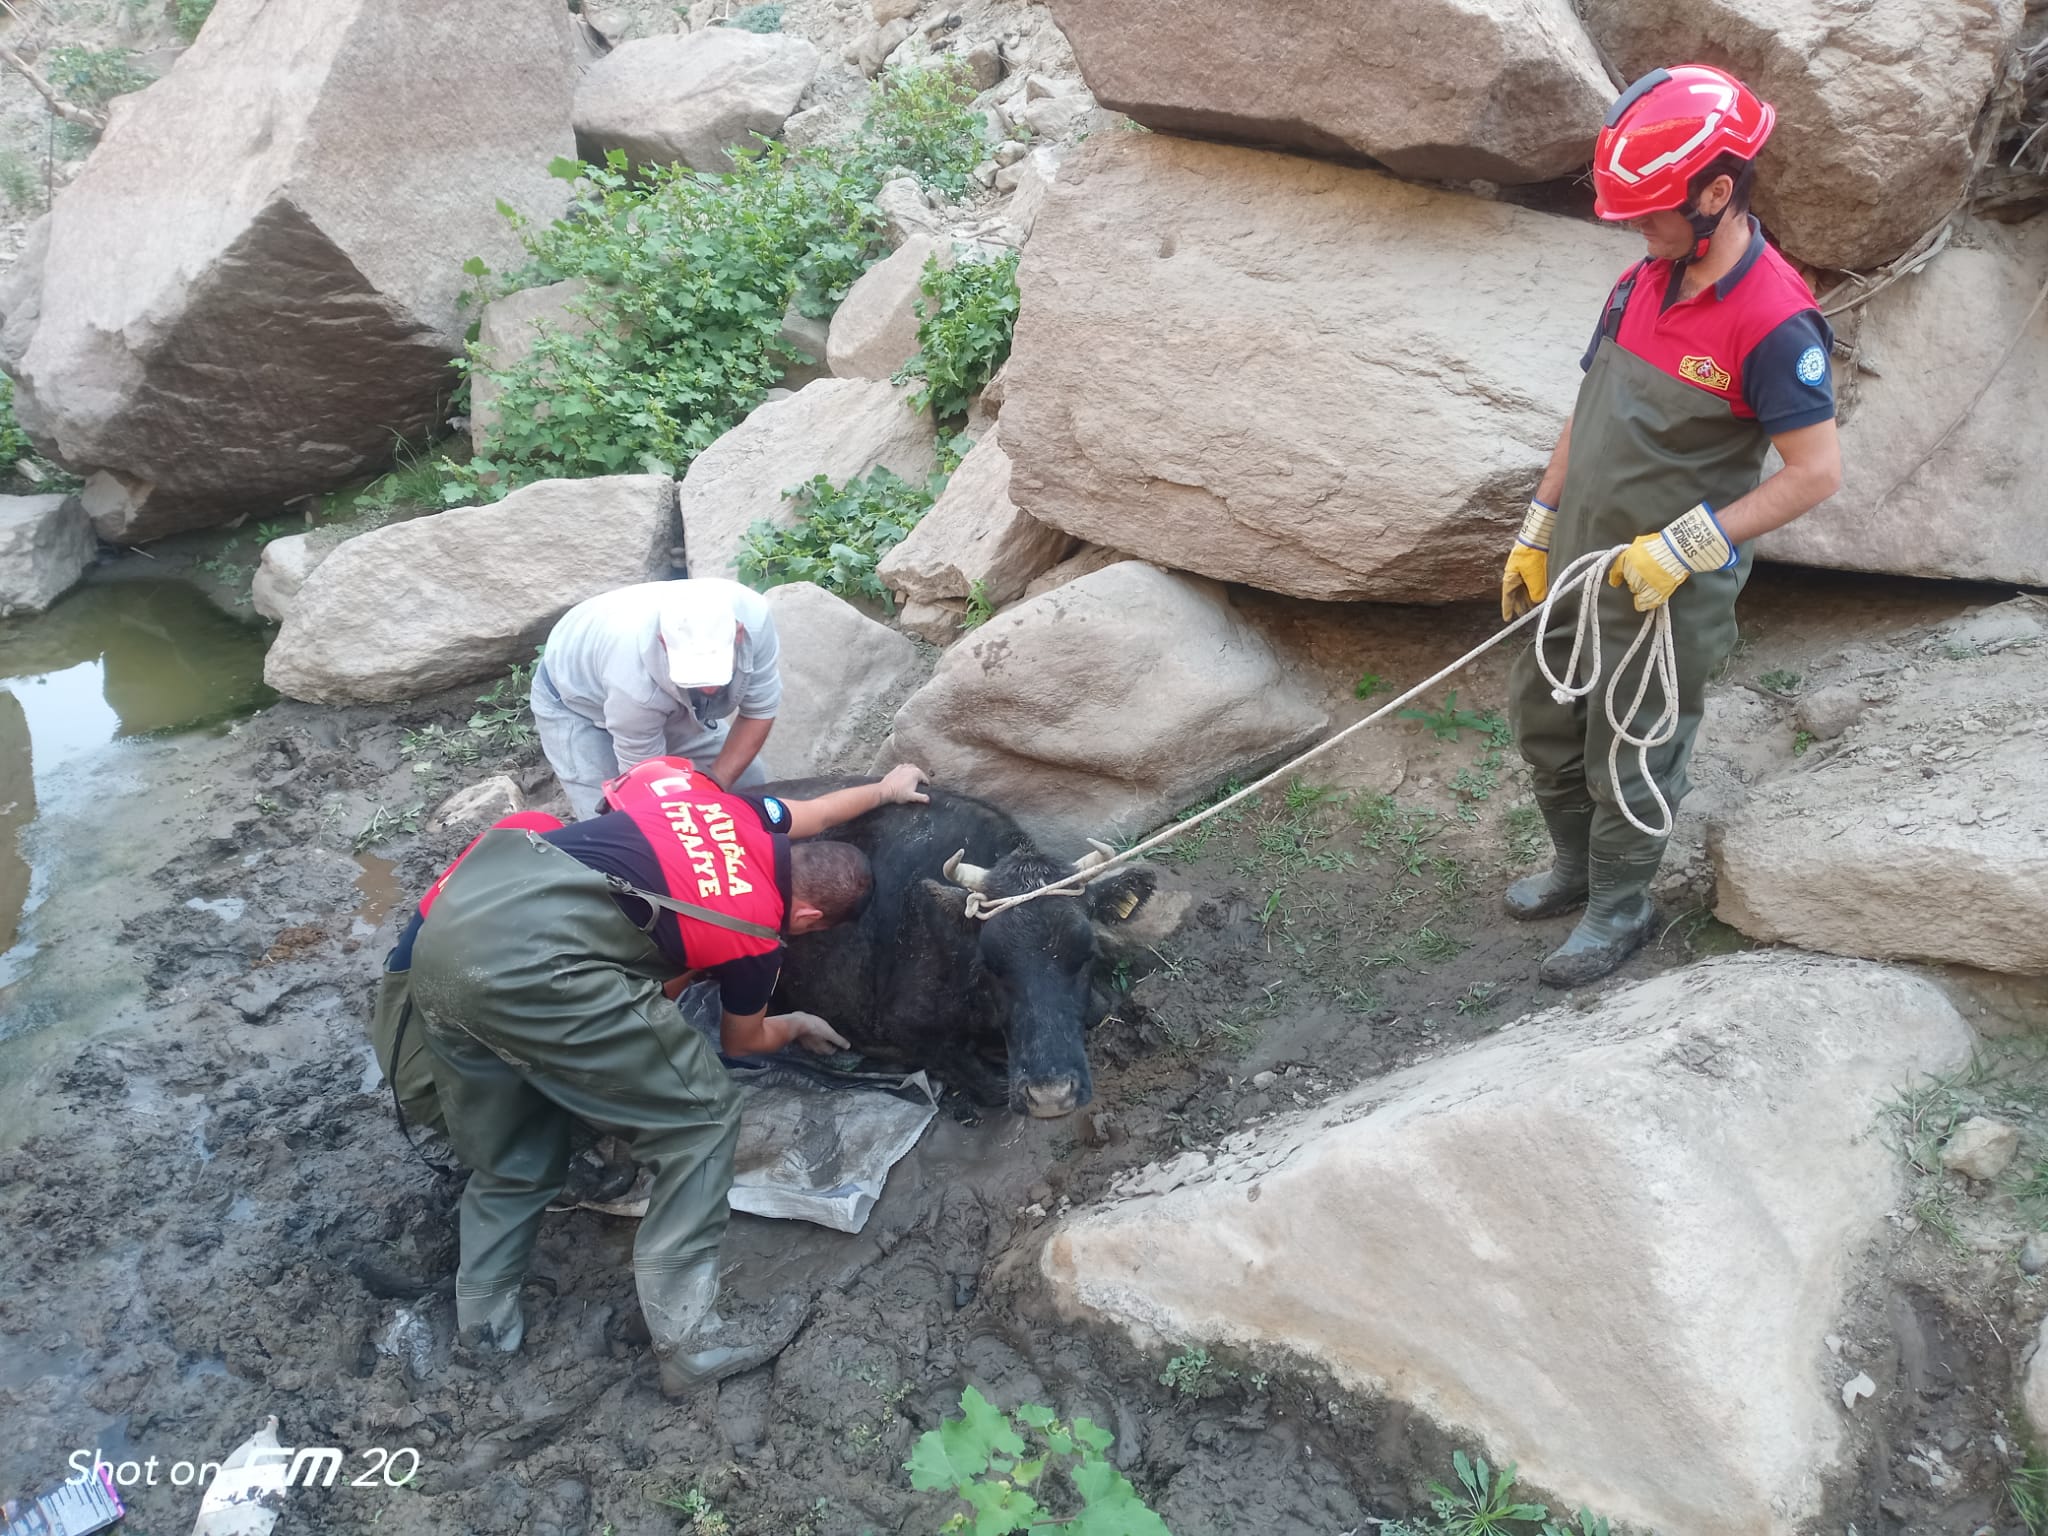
(1755, 338)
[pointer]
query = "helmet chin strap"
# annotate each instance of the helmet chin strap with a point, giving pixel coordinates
(1704, 226)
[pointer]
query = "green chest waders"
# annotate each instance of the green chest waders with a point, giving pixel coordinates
(538, 1002)
(1645, 448)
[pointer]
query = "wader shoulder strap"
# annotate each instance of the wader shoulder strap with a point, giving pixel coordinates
(723, 920)
(1617, 306)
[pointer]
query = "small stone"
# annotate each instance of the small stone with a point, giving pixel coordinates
(1035, 1211)
(985, 173)
(985, 66)
(1009, 152)
(1039, 87)
(1827, 712)
(1981, 1148)
(1953, 1440)
(1859, 1385)
(887, 11)
(1834, 1344)
(1040, 1192)
(2034, 1254)
(1264, 1079)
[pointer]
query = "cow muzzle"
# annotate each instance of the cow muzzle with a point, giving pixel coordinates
(1049, 1098)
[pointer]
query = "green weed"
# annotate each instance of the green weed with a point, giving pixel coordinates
(964, 326)
(1527, 836)
(1445, 724)
(500, 728)
(1481, 997)
(694, 1505)
(1481, 1502)
(14, 443)
(1368, 684)
(979, 609)
(2027, 1491)
(1192, 1373)
(841, 536)
(922, 121)
(1028, 1471)
(92, 77)
(758, 18)
(387, 822)
(1801, 740)
(1433, 948)
(1779, 680)
(191, 15)
(690, 275)
(18, 179)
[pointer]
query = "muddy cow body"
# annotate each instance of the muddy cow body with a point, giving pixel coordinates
(998, 1007)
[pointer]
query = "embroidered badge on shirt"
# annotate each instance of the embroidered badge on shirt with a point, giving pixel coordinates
(1813, 366)
(1706, 372)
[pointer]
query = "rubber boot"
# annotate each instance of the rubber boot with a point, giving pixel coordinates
(1561, 887)
(1618, 918)
(693, 1345)
(491, 1322)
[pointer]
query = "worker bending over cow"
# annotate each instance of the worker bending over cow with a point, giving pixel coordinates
(661, 669)
(537, 982)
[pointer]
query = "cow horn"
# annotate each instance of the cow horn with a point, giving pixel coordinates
(973, 876)
(1102, 855)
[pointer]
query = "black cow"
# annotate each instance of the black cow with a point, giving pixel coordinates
(917, 980)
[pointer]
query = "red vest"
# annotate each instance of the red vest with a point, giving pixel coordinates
(523, 821)
(713, 851)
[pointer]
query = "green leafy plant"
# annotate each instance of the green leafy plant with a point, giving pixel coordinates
(695, 1506)
(1192, 1373)
(2027, 1489)
(689, 275)
(1028, 1471)
(758, 18)
(19, 181)
(1801, 741)
(963, 332)
(191, 15)
(1368, 684)
(1481, 1502)
(979, 609)
(92, 77)
(1446, 723)
(14, 443)
(500, 727)
(842, 533)
(1779, 680)
(922, 121)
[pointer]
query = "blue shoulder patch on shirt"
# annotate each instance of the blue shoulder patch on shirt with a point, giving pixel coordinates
(1788, 377)
(778, 813)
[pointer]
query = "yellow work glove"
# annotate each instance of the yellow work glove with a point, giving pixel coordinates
(1656, 563)
(1526, 581)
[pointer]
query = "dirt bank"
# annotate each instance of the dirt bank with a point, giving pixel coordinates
(211, 1217)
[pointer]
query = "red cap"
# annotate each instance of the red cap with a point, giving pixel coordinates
(1666, 129)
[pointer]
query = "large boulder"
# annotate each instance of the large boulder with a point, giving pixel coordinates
(1876, 104)
(1606, 1242)
(1922, 835)
(45, 546)
(1254, 366)
(874, 330)
(839, 428)
(1509, 90)
(973, 537)
(1975, 508)
(843, 676)
(226, 316)
(1100, 708)
(284, 566)
(407, 609)
(505, 334)
(692, 98)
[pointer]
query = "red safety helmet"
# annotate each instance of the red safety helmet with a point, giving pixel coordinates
(1667, 128)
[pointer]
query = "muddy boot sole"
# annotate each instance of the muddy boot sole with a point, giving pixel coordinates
(1580, 960)
(684, 1374)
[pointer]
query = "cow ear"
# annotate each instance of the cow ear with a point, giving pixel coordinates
(1122, 896)
(944, 900)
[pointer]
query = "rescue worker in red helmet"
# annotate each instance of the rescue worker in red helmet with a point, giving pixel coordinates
(1709, 352)
(537, 980)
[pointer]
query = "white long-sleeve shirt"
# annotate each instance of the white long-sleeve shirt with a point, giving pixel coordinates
(605, 660)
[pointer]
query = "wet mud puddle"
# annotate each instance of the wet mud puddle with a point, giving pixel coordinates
(93, 695)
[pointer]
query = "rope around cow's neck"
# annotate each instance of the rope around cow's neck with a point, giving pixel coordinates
(1581, 578)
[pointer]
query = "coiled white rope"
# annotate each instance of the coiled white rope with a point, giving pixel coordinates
(1582, 577)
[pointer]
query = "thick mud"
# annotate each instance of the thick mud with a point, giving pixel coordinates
(210, 1216)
